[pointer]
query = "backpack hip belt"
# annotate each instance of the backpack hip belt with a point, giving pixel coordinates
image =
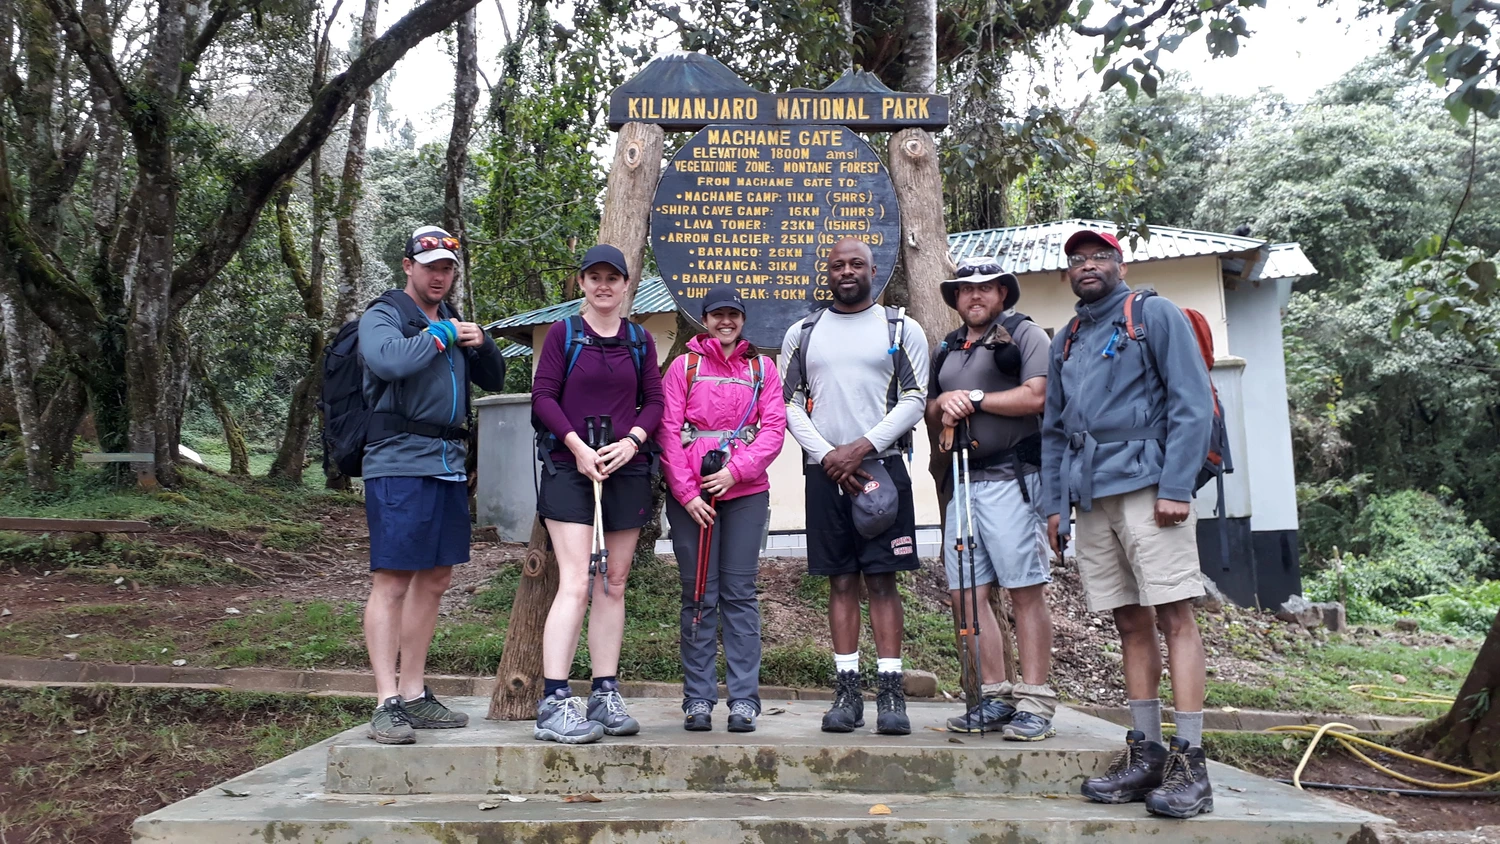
(386, 425)
(1084, 443)
(691, 433)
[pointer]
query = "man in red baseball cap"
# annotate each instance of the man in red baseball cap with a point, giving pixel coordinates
(1126, 428)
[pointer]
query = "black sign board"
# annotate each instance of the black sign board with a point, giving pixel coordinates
(688, 91)
(759, 208)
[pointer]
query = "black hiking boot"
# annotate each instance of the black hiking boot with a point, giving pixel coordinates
(697, 716)
(1135, 773)
(1185, 791)
(848, 710)
(890, 703)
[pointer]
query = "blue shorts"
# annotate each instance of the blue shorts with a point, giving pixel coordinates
(417, 523)
(1010, 536)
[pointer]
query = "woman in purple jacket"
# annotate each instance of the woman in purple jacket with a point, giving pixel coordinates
(601, 381)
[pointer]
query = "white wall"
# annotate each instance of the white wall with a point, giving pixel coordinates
(1255, 335)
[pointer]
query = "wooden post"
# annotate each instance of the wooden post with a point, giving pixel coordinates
(627, 217)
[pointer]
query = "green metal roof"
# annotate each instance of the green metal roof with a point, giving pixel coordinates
(651, 297)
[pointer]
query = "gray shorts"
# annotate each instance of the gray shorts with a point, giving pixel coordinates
(1010, 536)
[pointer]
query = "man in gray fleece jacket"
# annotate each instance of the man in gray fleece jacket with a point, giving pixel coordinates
(1125, 431)
(419, 359)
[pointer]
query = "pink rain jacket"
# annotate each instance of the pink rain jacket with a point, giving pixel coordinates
(718, 406)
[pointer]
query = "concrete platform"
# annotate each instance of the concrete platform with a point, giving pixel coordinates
(787, 752)
(785, 783)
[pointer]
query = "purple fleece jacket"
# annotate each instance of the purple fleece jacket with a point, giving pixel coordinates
(602, 384)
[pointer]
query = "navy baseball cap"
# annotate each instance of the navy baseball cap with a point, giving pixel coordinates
(877, 506)
(722, 296)
(605, 254)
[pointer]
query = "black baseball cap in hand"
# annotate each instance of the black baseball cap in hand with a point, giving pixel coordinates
(605, 254)
(875, 507)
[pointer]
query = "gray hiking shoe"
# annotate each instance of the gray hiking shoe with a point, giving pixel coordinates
(698, 716)
(560, 718)
(1028, 726)
(607, 709)
(391, 723)
(426, 713)
(989, 716)
(742, 717)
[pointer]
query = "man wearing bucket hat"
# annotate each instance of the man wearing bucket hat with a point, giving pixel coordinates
(855, 388)
(989, 381)
(1128, 421)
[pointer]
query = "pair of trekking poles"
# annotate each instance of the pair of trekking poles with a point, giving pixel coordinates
(959, 442)
(598, 433)
(713, 462)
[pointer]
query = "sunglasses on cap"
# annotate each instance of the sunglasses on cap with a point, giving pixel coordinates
(970, 270)
(429, 242)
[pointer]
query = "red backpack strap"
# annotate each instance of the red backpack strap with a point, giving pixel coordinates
(690, 374)
(1135, 314)
(1068, 338)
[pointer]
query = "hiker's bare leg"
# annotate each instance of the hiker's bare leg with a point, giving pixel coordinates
(419, 614)
(991, 648)
(1138, 644)
(565, 619)
(843, 612)
(885, 614)
(1033, 633)
(607, 618)
(383, 626)
(1184, 653)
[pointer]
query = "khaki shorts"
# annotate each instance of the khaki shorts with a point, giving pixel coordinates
(1125, 559)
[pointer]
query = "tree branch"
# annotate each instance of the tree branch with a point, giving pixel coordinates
(99, 61)
(224, 12)
(243, 206)
(1139, 26)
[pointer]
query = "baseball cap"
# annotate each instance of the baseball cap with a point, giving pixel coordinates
(605, 254)
(875, 508)
(1085, 235)
(722, 296)
(431, 243)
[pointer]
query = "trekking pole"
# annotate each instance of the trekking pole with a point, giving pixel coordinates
(606, 436)
(961, 610)
(976, 678)
(591, 439)
(713, 461)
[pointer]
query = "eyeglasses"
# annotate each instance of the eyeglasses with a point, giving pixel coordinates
(429, 242)
(978, 269)
(1078, 259)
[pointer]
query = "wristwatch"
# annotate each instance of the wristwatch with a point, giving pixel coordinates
(976, 396)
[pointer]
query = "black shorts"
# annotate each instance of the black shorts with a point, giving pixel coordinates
(835, 547)
(568, 496)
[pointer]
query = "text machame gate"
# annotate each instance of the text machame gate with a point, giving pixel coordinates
(755, 199)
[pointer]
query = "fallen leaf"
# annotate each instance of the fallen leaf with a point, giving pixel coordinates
(1237, 789)
(1288, 743)
(179, 662)
(386, 803)
(515, 798)
(952, 740)
(764, 799)
(1053, 796)
(936, 729)
(60, 600)
(231, 793)
(581, 798)
(1252, 811)
(70, 657)
(72, 635)
(232, 611)
(119, 580)
(4, 613)
(485, 807)
(1228, 709)
(79, 732)
(775, 710)
(880, 809)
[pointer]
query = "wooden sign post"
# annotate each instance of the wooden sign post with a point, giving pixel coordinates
(756, 209)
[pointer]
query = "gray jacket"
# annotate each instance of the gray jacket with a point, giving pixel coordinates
(1092, 400)
(410, 377)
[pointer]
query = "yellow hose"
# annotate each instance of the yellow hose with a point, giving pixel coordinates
(1349, 740)
(1366, 690)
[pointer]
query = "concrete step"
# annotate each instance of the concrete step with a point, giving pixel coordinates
(284, 802)
(787, 752)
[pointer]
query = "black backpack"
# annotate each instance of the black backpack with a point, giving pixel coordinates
(895, 321)
(573, 344)
(347, 418)
(1007, 356)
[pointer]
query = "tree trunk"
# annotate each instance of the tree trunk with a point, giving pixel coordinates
(239, 455)
(517, 689)
(627, 199)
(292, 454)
(627, 211)
(465, 97)
(60, 421)
(352, 189)
(921, 48)
(1469, 735)
(175, 380)
(18, 369)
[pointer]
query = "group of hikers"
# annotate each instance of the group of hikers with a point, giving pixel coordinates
(1110, 417)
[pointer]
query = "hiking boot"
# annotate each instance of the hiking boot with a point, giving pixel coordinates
(1185, 791)
(848, 710)
(1136, 772)
(607, 708)
(742, 717)
(560, 718)
(425, 713)
(391, 723)
(1028, 726)
(890, 704)
(989, 716)
(698, 718)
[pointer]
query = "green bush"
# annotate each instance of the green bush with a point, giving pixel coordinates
(1471, 608)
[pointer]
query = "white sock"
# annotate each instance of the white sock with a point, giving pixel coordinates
(888, 665)
(846, 662)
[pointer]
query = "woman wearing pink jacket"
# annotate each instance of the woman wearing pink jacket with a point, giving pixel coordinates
(723, 408)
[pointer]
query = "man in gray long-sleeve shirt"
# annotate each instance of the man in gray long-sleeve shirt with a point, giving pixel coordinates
(1125, 432)
(855, 387)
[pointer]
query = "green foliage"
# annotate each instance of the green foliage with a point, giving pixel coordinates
(1471, 607)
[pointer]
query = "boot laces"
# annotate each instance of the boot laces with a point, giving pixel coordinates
(743, 708)
(614, 704)
(700, 707)
(1178, 774)
(848, 692)
(574, 713)
(1124, 760)
(890, 692)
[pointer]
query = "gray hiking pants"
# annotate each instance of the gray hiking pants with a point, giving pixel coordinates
(729, 598)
